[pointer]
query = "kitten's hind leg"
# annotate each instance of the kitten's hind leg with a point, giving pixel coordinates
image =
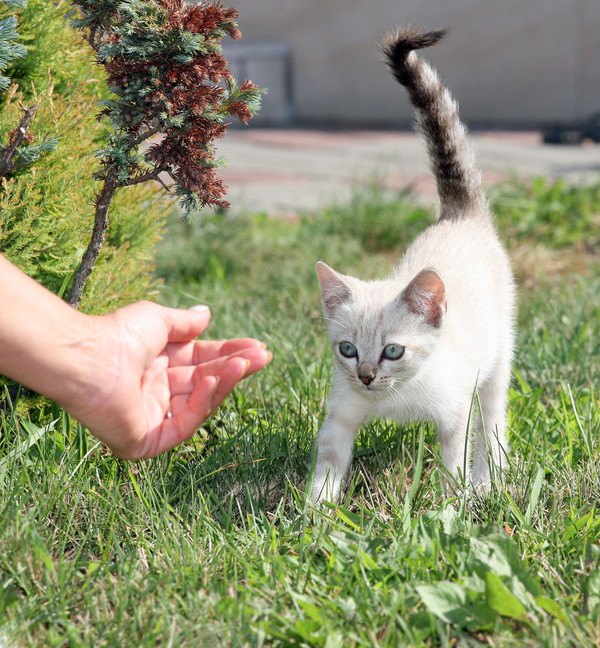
(490, 443)
(334, 452)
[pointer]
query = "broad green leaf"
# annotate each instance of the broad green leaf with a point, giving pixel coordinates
(501, 599)
(490, 553)
(367, 561)
(552, 608)
(496, 553)
(483, 617)
(449, 602)
(446, 600)
(452, 522)
(311, 631)
(349, 518)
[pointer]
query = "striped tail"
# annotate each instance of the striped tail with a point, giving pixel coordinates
(451, 153)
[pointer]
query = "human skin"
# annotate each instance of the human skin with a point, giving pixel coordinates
(136, 378)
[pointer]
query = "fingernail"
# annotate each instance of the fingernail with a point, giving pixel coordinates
(248, 363)
(200, 308)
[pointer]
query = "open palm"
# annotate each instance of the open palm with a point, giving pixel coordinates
(156, 383)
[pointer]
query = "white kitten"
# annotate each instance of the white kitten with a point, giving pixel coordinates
(416, 346)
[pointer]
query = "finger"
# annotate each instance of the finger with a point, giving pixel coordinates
(156, 371)
(183, 379)
(182, 425)
(234, 370)
(232, 373)
(185, 325)
(256, 359)
(197, 351)
(188, 413)
(229, 373)
(178, 403)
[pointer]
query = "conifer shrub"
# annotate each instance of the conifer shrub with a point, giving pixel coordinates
(161, 72)
(167, 75)
(18, 146)
(47, 211)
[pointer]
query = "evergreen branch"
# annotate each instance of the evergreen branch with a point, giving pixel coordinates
(169, 174)
(16, 138)
(151, 175)
(91, 39)
(163, 184)
(166, 70)
(142, 137)
(10, 48)
(17, 4)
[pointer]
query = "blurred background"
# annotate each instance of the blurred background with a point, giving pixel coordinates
(526, 74)
(511, 63)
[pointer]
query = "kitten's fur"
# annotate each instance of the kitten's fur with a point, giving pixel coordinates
(450, 303)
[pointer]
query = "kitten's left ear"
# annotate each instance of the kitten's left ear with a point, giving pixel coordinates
(334, 287)
(425, 295)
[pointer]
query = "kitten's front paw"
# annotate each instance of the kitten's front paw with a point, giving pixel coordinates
(326, 488)
(453, 487)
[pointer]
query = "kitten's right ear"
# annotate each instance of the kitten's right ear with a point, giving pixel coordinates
(425, 295)
(334, 288)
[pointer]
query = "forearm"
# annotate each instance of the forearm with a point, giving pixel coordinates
(42, 339)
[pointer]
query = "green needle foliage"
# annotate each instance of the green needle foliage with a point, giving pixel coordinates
(10, 48)
(46, 210)
(167, 76)
(20, 149)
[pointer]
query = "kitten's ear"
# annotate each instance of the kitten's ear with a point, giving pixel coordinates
(334, 288)
(425, 295)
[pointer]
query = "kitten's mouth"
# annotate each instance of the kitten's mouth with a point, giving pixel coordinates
(378, 389)
(382, 389)
(373, 389)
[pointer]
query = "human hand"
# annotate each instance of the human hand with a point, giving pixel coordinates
(149, 383)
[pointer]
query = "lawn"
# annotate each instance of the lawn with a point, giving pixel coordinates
(215, 544)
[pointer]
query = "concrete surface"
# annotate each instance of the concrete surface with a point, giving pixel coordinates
(284, 172)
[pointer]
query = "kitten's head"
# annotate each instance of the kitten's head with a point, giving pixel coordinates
(381, 336)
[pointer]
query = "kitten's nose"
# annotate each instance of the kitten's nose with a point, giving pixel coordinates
(367, 373)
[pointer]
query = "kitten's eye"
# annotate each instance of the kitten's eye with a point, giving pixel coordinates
(348, 350)
(393, 352)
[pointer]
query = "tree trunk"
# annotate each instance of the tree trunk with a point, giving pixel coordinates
(90, 257)
(8, 153)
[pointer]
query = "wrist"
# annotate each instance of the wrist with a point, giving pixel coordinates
(45, 344)
(55, 356)
(80, 355)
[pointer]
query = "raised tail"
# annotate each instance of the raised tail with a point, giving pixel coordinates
(451, 153)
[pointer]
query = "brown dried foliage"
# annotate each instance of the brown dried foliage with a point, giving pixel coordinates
(191, 88)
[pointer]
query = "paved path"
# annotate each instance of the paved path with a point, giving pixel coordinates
(283, 172)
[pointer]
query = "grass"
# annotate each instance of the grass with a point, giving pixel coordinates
(215, 544)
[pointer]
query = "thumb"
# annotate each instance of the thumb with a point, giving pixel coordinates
(185, 325)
